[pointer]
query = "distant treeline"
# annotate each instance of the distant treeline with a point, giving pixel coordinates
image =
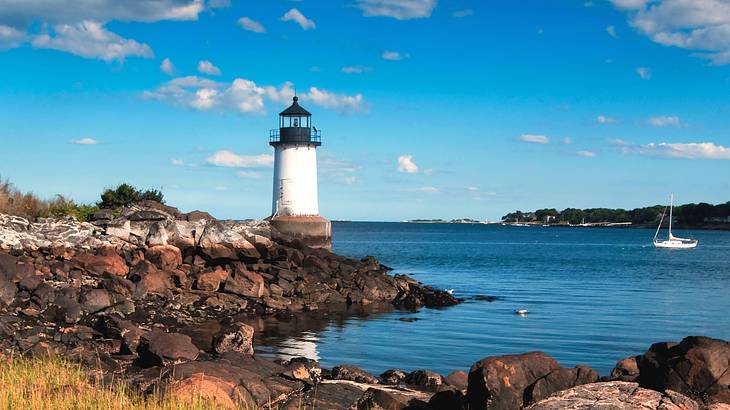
(689, 214)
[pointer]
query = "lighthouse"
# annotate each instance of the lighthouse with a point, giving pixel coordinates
(295, 203)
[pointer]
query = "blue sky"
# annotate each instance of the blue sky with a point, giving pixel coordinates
(450, 108)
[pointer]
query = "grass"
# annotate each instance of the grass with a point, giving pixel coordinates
(55, 383)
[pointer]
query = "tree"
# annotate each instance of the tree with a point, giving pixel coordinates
(125, 195)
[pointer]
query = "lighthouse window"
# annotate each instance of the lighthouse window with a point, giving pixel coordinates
(296, 122)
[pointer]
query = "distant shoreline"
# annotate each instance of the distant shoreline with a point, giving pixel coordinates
(723, 227)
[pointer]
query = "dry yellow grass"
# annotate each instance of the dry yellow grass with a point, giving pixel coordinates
(54, 383)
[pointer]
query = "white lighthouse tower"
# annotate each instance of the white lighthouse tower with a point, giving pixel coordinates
(295, 204)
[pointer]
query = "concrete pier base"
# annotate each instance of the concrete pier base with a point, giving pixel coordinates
(314, 231)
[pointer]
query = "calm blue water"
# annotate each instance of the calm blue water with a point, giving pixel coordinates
(594, 295)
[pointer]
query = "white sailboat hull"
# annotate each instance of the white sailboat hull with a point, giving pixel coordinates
(675, 244)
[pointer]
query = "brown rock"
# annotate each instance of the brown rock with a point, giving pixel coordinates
(557, 380)
(162, 347)
(499, 382)
(626, 370)
(245, 283)
(457, 379)
(165, 257)
(353, 373)
(211, 280)
(99, 264)
(210, 389)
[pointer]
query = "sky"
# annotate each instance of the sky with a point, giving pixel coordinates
(428, 108)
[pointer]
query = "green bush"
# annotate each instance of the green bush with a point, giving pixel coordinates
(126, 195)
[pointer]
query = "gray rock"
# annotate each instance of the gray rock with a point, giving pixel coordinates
(237, 337)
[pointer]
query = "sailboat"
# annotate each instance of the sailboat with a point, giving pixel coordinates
(672, 242)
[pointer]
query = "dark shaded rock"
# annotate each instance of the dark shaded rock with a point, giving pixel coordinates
(118, 285)
(69, 309)
(159, 348)
(29, 283)
(8, 290)
(169, 211)
(157, 282)
(237, 337)
(330, 396)
(447, 400)
(353, 373)
(103, 215)
(698, 367)
(615, 395)
(303, 369)
(557, 380)
(95, 300)
(13, 269)
(114, 327)
(393, 377)
(147, 216)
(499, 382)
(425, 379)
(381, 399)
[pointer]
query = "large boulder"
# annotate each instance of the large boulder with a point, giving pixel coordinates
(698, 367)
(211, 280)
(558, 380)
(615, 396)
(110, 263)
(13, 269)
(499, 382)
(158, 347)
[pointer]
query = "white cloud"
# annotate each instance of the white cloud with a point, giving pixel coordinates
(297, 16)
(397, 9)
(225, 158)
(206, 67)
(463, 13)
(603, 119)
(698, 25)
(78, 27)
(535, 139)
(406, 164)
(393, 56)
(249, 175)
(337, 102)
(85, 141)
(177, 162)
(665, 121)
(692, 150)
(427, 189)
(11, 37)
(472, 189)
(566, 141)
(251, 25)
(246, 96)
(644, 73)
(356, 69)
(585, 154)
(611, 30)
(89, 39)
(618, 142)
(337, 169)
(629, 4)
(167, 67)
(221, 188)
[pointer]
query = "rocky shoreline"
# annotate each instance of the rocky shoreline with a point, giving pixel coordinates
(127, 294)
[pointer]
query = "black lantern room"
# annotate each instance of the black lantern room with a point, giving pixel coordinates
(295, 127)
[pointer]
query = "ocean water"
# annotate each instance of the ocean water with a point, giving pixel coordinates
(594, 296)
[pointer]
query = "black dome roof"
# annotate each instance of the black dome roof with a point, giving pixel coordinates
(295, 110)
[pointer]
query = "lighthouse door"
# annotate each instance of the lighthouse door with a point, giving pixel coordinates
(286, 196)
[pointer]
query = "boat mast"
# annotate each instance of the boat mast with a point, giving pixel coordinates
(671, 208)
(664, 213)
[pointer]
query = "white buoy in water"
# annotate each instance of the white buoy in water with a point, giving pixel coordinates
(521, 312)
(450, 291)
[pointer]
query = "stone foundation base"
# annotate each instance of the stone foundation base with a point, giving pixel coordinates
(315, 231)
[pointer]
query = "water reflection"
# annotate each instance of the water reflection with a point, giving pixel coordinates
(299, 335)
